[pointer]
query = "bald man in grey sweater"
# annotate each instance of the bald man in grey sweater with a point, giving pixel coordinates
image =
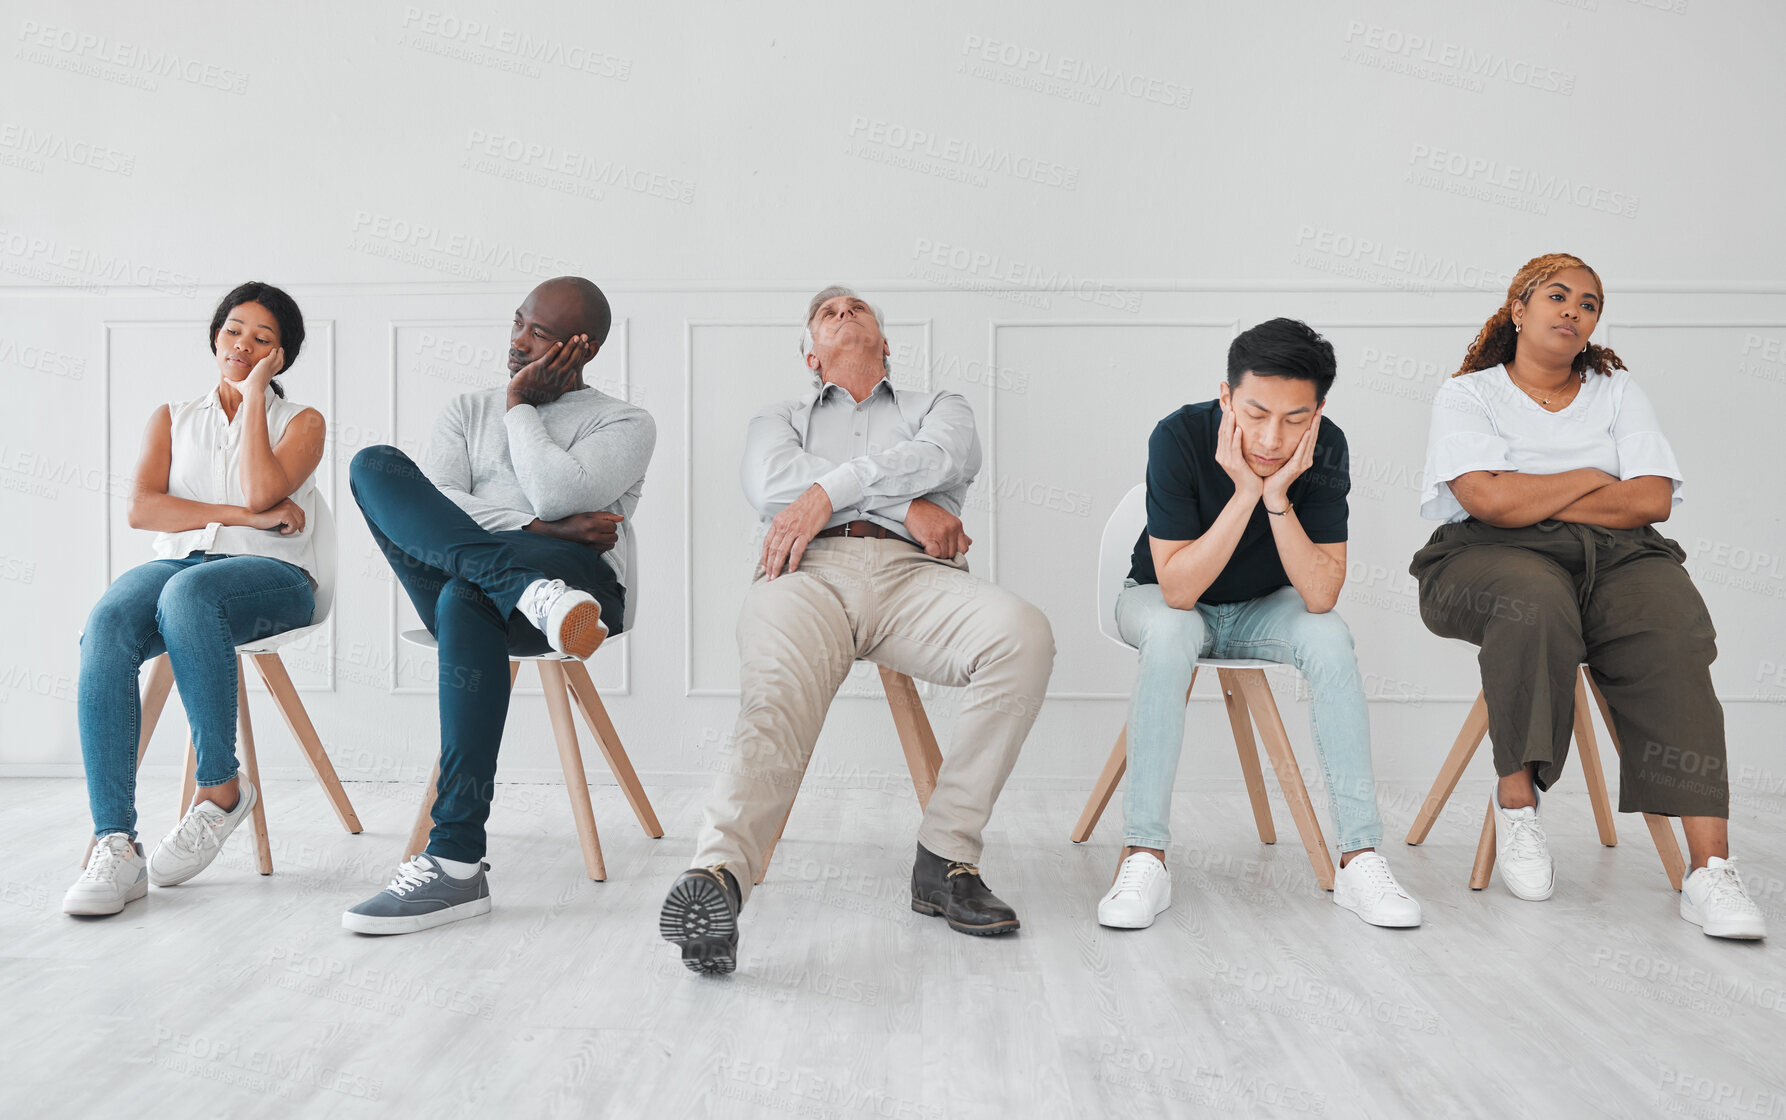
(506, 544)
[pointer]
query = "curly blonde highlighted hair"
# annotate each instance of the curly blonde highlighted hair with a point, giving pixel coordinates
(1497, 341)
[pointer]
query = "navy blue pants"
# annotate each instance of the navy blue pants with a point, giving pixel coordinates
(464, 581)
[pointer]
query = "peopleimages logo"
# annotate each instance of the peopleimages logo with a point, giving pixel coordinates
(134, 59)
(1413, 52)
(1077, 79)
(1522, 181)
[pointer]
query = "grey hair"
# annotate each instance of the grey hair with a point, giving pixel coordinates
(832, 292)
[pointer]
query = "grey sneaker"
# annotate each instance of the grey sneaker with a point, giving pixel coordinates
(116, 874)
(422, 896)
(199, 836)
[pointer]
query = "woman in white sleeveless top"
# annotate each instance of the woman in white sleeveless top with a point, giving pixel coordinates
(225, 482)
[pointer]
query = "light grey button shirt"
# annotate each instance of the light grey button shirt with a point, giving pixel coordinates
(873, 457)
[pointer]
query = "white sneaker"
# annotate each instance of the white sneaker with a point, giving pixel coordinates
(1366, 887)
(1522, 854)
(1143, 888)
(197, 839)
(115, 874)
(1713, 899)
(570, 619)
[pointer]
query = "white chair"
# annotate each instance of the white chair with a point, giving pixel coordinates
(1245, 691)
(564, 677)
(263, 653)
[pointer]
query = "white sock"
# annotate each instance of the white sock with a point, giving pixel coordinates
(456, 868)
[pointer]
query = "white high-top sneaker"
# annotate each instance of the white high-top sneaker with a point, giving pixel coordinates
(570, 619)
(1143, 889)
(1713, 899)
(116, 874)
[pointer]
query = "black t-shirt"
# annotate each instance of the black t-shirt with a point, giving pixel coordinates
(1187, 488)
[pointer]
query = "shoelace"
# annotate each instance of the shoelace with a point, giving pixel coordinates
(103, 864)
(196, 825)
(1376, 872)
(1133, 874)
(543, 595)
(412, 875)
(1726, 887)
(1527, 839)
(961, 867)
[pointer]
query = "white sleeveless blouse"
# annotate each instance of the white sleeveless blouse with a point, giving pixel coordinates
(205, 466)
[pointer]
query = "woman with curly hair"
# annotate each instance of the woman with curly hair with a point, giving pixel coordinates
(225, 480)
(1549, 467)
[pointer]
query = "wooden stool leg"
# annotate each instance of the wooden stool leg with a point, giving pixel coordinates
(155, 690)
(1114, 768)
(285, 698)
(1104, 788)
(1257, 691)
(424, 818)
(575, 780)
(595, 717)
(188, 779)
(245, 739)
(1241, 720)
(1589, 749)
(1468, 739)
(916, 738)
(1485, 851)
(1661, 828)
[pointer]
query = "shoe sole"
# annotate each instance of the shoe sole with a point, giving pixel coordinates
(1730, 932)
(991, 929)
(251, 797)
(582, 630)
(102, 908)
(698, 917)
(379, 924)
(1134, 925)
(1534, 897)
(1353, 909)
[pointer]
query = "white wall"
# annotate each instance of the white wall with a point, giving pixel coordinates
(711, 165)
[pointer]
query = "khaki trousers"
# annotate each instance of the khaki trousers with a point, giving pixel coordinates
(888, 602)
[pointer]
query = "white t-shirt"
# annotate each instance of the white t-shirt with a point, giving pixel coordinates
(1482, 421)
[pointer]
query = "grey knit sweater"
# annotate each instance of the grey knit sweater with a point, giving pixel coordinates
(585, 451)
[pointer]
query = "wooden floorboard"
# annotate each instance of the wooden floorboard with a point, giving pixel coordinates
(238, 994)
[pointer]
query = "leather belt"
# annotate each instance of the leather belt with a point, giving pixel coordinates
(862, 529)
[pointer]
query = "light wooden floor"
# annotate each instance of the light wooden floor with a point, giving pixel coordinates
(239, 995)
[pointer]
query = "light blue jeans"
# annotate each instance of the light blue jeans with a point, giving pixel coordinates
(1275, 627)
(197, 610)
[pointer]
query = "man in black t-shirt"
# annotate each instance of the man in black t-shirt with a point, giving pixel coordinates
(1244, 555)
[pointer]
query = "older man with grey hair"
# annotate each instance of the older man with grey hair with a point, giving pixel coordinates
(861, 486)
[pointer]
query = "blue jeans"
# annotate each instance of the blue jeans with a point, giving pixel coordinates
(465, 581)
(1275, 627)
(197, 611)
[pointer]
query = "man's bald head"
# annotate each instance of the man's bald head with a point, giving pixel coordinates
(576, 303)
